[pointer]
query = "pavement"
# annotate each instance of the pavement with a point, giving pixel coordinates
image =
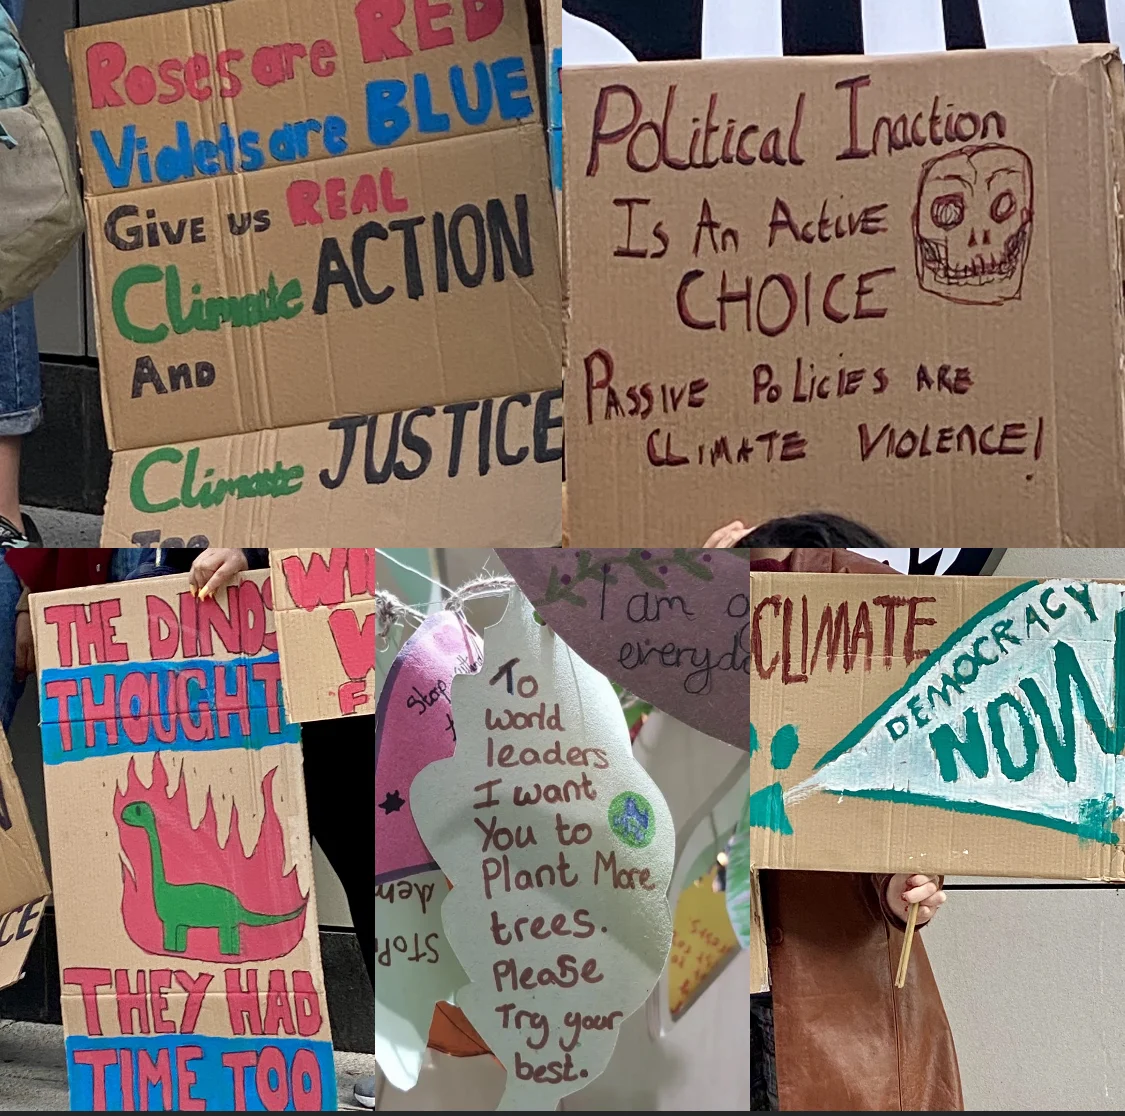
(33, 1069)
(64, 528)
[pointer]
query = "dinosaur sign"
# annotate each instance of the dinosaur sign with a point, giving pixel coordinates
(188, 937)
(324, 602)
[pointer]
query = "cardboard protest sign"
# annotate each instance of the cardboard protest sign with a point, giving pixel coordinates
(23, 882)
(560, 850)
(187, 926)
(967, 726)
(301, 212)
(417, 969)
(324, 608)
(449, 474)
(870, 285)
(671, 626)
(414, 727)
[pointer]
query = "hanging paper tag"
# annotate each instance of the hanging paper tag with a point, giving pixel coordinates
(414, 727)
(560, 849)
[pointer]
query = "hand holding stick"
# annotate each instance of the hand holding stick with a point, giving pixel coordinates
(915, 899)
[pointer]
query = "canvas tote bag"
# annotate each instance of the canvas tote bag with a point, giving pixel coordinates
(40, 202)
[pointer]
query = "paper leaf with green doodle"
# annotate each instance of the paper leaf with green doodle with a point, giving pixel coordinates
(969, 726)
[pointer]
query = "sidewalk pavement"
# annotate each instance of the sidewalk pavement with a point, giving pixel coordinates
(33, 1069)
(64, 528)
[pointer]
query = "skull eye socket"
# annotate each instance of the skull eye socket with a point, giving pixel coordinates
(1003, 206)
(948, 211)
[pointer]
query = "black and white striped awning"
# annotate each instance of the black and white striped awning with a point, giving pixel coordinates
(673, 29)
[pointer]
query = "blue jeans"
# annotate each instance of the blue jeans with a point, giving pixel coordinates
(21, 399)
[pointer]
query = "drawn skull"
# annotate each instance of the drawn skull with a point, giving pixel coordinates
(972, 224)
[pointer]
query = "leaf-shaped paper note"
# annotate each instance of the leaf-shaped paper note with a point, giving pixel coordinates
(671, 626)
(560, 849)
(417, 968)
(414, 727)
(738, 878)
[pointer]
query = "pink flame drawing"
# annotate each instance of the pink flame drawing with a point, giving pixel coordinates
(193, 855)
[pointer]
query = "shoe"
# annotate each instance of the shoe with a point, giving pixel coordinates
(364, 1092)
(11, 538)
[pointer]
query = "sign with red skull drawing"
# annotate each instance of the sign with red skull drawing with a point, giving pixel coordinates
(886, 287)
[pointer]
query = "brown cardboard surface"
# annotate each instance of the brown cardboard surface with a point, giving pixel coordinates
(23, 882)
(848, 678)
(860, 763)
(305, 211)
(1002, 383)
(354, 481)
(445, 289)
(187, 926)
(324, 605)
(260, 66)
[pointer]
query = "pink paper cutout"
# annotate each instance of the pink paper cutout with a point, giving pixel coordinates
(413, 728)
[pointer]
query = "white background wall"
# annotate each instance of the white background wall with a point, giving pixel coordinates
(1031, 971)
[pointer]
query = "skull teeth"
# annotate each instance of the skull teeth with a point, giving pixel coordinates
(978, 269)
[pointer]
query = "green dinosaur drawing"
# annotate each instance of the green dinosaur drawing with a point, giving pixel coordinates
(182, 907)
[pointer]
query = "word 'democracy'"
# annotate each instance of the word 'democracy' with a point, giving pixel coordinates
(188, 937)
(672, 626)
(324, 601)
(811, 283)
(560, 850)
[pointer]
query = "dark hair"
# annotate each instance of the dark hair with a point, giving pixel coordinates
(812, 529)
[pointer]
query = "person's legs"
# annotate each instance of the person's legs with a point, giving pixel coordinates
(340, 789)
(21, 408)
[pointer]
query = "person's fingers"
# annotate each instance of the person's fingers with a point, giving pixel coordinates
(219, 578)
(725, 537)
(203, 568)
(920, 894)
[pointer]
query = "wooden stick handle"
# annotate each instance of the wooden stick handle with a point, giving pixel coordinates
(907, 942)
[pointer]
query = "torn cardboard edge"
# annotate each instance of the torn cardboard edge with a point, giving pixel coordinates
(24, 889)
(470, 474)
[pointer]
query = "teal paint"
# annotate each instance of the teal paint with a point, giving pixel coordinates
(1096, 814)
(784, 747)
(877, 715)
(753, 739)
(767, 810)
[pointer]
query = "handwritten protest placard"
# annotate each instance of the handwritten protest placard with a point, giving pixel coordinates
(560, 849)
(187, 927)
(23, 882)
(353, 480)
(324, 607)
(850, 285)
(671, 626)
(304, 211)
